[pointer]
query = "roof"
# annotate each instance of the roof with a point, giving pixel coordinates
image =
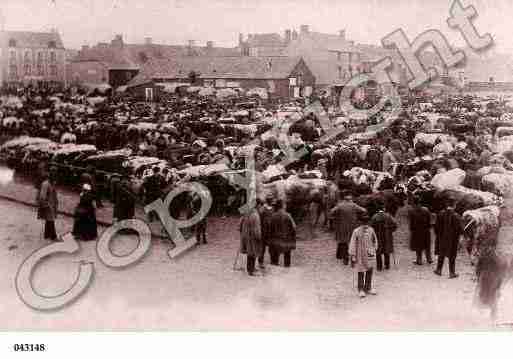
(33, 39)
(218, 68)
(325, 71)
(133, 56)
(266, 40)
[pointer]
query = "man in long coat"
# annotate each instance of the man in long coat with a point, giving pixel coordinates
(266, 212)
(362, 249)
(282, 236)
(448, 228)
(420, 231)
(345, 220)
(124, 200)
(384, 226)
(251, 238)
(48, 204)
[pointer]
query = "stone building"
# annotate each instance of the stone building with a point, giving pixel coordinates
(32, 58)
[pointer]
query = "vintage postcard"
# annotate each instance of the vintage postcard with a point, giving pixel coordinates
(256, 165)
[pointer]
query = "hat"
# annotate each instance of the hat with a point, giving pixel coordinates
(86, 187)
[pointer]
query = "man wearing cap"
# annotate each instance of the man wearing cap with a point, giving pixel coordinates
(345, 220)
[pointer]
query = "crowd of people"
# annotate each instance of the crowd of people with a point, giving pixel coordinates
(364, 233)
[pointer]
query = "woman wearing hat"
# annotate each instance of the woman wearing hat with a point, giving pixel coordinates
(362, 249)
(85, 227)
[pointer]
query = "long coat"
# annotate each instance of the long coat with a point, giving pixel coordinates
(85, 226)
(420, 228)
(47, 202)
(448, 228)
(363, 248)
(250, 234)
(384, 226)
(265, 222)
(345, 220)
(124, 202)
(283, 231)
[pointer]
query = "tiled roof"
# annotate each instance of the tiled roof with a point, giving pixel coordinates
(218, 67)
(136, 55)
(33, 39)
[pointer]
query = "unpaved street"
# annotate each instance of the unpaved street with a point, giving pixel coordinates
(201, 291)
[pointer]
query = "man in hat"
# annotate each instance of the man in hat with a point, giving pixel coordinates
(420, 231)
(251, 237)
(384, 226)
(362, 248)
(448, 229)
(282, 235)
(266, 212)
(345, 219)
(124, 199)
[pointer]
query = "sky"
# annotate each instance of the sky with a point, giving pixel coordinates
(87, 22)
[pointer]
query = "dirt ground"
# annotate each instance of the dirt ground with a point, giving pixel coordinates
(201, 291)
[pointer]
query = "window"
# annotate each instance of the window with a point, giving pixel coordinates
(12, 58)
(40, 64)
(52, 44)
(13, 71)
(53, 57)
(300, 79)
(340, 72)
(339, 55)
(27, 63)
(53, 70)
(12, 43)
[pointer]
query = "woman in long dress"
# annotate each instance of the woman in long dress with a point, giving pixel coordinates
(85, 227)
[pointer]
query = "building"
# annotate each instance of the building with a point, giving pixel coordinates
(332, 58)
(32, 58)
(117, 62)
(283, 77)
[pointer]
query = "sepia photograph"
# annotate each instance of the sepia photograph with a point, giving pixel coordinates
(255, 166)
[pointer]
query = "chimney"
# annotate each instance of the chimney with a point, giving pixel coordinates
(210, 44)
(304, 29)
(118, 41)
(342, 34)
(190, 48)
(148, 40)
(294, 35)
(288, 36)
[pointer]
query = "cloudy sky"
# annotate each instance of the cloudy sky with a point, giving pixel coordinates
(176, 21)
